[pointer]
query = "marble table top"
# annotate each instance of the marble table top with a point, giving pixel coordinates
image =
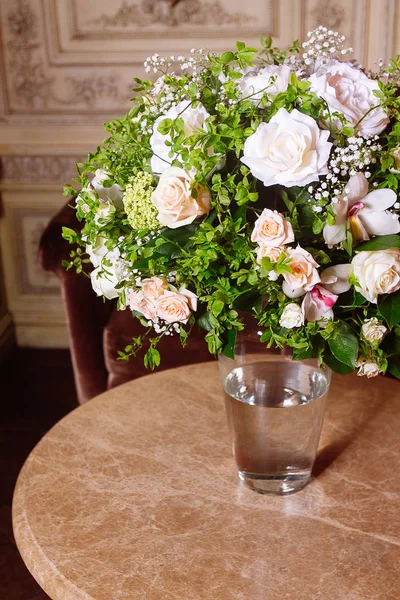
(135, 496)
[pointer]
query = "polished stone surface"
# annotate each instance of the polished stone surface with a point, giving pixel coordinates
(135, 496)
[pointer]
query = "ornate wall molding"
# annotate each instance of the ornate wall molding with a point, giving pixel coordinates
(28, 226)
(38, 169)
(166, 18)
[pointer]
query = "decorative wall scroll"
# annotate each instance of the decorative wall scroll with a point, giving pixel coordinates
(147, 14)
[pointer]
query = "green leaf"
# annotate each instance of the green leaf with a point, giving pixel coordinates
(217, 307)
(152, 358)
(69, 235)
(169, 249)
(336, 366)
(240, 45)
(165, 126)
(344, 346)
(227, 57)
(381, 243)
(394, 366)
(207, 321)
(229, 348)
(389, 307)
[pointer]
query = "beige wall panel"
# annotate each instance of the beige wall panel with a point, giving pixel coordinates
(66, 66)
(33, 296)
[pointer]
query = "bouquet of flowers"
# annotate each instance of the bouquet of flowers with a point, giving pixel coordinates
(254, 180)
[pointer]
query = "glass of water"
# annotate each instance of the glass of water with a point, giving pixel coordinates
(275, 409)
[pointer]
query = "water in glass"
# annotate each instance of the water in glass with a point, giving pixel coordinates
(275, 411)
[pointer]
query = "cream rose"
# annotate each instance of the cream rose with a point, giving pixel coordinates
(271, 80)
(174, 201)
(304, 275)
(289, 150)
(193, 119)
(153, 287)
(373, 330)
(272, 229)
(176, 307)
(368, 368)
(377, 272)
(292, 316)
(349, 91)
(271, 252)
(139, 303)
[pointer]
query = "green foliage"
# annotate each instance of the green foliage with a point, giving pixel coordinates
(214, 257)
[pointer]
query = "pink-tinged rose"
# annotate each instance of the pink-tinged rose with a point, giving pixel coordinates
(139, 303)
(304, 275)
(153, 287)
(289, 150)
(176, 307)
(272, 229)
(366, 213)
(349, 91)
(317, 304)
(271, 252)
(377, 272)
(335, 279)
(174, 201)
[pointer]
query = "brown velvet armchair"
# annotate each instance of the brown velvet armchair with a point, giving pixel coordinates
(96, 329)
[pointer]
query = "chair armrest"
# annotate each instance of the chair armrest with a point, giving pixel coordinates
(86, 314)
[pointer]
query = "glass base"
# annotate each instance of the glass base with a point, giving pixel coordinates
(275, 484)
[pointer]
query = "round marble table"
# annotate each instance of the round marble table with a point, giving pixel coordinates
(135, 496)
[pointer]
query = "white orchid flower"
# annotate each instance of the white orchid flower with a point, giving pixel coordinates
(365, 212)
(319, 301)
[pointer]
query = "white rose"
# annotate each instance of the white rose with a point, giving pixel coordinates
(103, 283)
(104, 213)
(304, 275)
(107, 194)
(368, 368)
(373, 330)
(349, 91)
(81, 203)
(292, 316)
(271, 80)
(272, 229)
(289, 150)
(271, 252)
(194, 120)
(176, 307)
(174, 201)
(377, 272)
(98, 250)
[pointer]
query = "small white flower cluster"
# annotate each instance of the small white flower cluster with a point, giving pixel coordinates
(357, 156)
(194, 63)
(157, 63)
(163, 327)
(323, 43)
(171, 277)
(320, 195)
(344, 162)
(142, 241)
